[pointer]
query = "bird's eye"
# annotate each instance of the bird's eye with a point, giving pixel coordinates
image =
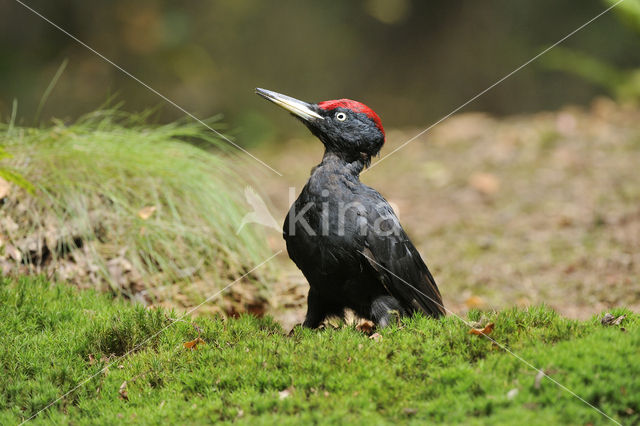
(341, 116)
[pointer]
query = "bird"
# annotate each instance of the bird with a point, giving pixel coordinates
(342, 234)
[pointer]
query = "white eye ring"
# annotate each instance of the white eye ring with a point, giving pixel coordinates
(341, 116)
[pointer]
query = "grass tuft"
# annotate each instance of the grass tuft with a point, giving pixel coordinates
(146, 211)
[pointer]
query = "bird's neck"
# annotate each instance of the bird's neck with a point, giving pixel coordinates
(343, 163)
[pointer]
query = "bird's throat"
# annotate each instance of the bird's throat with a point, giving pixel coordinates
(344, 163)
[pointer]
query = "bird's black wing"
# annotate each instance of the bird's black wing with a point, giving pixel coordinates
(396, 261)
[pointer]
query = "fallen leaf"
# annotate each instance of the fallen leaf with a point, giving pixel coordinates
(482, 331)
(609, 319)
(285, 393)
(123, 391)
(4, 188)
(146, 212)
(92, 360)
(512, 393)
(485, 183)
(565, 222)
(194, 343)
(365, 326)
(375, 336)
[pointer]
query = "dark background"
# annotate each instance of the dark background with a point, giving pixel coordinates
(412, 61)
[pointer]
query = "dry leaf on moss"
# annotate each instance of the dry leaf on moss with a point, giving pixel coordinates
(146, 212)
(123, 391)
(365, 326)
(286, 393)
(194, 343)
(609, 319)
(482, 331)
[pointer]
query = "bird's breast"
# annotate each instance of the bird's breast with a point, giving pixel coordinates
(324, 228)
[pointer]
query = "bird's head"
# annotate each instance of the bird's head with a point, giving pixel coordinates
(348, 128)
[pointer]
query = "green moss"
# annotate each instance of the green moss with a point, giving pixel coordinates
(423, 370)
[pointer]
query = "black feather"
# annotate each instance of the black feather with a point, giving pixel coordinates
(343, 235)
(349, 244)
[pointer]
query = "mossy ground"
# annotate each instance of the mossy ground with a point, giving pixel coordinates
(52, 337)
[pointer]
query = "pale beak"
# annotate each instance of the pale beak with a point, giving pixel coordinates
(294, 106)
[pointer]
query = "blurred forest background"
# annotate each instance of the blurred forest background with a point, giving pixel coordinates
(412, 61)
(529, 195)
